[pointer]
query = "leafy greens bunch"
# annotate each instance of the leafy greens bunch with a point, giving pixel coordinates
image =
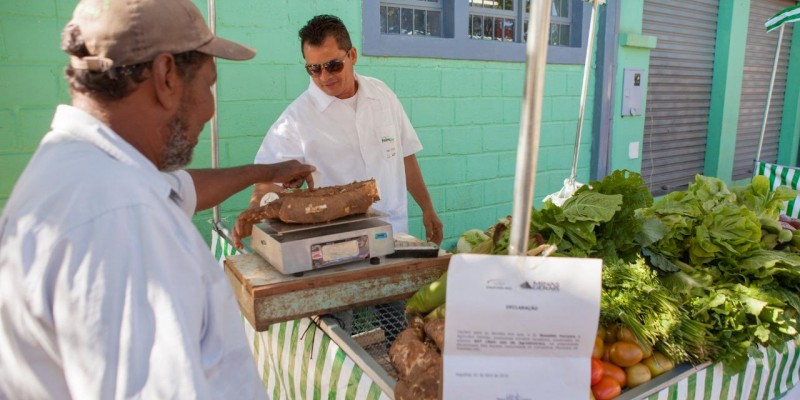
(707, 243)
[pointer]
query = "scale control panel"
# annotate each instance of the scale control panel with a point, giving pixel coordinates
(407, 246)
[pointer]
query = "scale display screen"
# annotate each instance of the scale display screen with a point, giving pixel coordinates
(339, 251)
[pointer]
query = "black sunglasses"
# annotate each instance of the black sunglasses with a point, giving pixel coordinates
(331, 66)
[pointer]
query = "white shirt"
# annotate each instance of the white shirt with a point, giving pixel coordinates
(107, 290)
(349, 144)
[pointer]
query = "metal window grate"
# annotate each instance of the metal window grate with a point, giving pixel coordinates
(375, 329)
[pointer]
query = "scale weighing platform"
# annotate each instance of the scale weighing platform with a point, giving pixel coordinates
(296, 248)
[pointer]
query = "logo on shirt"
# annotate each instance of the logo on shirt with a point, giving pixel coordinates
(389, 146)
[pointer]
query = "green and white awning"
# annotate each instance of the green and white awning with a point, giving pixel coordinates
(790, 14)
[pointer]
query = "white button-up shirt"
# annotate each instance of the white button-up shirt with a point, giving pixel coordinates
(347, 144)
(107, 290)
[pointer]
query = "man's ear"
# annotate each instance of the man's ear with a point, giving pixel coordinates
(167, 83)
(354, 55)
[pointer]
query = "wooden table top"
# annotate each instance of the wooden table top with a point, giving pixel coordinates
(266, 296)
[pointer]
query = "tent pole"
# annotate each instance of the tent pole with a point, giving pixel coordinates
(530, 126)
(214, 129)
(584, 88)
(769, 94)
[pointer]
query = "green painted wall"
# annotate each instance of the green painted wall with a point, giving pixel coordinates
(726, 89)
(790, 123)
(633, 52)
(465, 112)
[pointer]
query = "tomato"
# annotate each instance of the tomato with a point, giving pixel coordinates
(599, 348)
(625, 354)
(606, 355)
(637, 375)
(658, 364)
(597, 370)
(625, 334)
(611, 334)
(601, 332)
(606, 389)
(614, 372)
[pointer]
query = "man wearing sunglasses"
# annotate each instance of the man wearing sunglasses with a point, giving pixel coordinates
(351, 127)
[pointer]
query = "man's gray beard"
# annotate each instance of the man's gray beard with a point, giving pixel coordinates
(179, 148)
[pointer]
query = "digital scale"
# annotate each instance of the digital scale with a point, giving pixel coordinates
(296, 248)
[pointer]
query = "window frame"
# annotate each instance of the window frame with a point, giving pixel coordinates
(415, 5)
(455, 18)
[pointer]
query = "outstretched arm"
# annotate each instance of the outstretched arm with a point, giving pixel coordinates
(213, 186)
(416, 186)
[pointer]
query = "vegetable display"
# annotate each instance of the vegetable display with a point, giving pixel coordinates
(707, 274)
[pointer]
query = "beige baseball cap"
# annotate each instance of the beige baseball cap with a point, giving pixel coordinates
(127, 32)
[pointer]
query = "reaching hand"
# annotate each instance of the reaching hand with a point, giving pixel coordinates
(241, 229)
(292, 174)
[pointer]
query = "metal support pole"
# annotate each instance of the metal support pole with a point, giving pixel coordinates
(584, 89)
(214, 129)
(769, 94)
(530, 126)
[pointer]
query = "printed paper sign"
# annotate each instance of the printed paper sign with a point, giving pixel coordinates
(520, 328)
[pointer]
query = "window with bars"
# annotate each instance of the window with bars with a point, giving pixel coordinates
(495, 29)
(420, 17)
(492, 20)
(560, 22)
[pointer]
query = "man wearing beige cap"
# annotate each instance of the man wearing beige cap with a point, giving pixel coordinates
(107, 290)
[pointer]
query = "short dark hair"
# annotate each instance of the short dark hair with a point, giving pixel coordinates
(121, 81)
(317, 29)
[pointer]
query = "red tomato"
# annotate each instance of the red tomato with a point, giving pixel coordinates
(614, 372)
(606, 389)
(597, 371)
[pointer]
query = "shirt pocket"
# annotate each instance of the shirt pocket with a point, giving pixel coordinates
(387, 142)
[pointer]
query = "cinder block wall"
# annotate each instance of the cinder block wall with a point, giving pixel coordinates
(465, 112)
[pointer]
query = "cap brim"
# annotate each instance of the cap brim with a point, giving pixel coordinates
(224, 48)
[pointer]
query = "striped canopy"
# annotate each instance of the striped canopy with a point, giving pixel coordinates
(789, 14)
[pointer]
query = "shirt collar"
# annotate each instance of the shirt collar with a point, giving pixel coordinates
(322, 100)
(70, 123)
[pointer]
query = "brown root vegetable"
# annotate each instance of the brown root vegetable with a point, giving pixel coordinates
(317, 205)
(410, 356)
(424, 385)
(435, 330)
(409, 353)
